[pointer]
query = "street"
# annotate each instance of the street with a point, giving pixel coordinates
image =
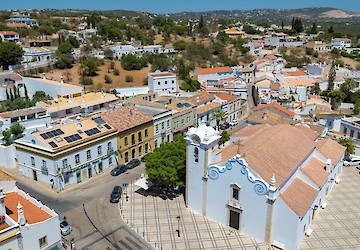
(96, 223)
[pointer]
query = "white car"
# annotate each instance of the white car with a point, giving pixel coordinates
(233, 123)
(352, 162)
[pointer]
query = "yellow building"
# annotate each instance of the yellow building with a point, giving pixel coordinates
(135, 132)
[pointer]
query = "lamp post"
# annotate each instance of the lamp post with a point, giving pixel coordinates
(178, 230)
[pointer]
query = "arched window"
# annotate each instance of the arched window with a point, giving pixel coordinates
(196, 154)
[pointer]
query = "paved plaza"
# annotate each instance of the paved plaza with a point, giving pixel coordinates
(335, 227)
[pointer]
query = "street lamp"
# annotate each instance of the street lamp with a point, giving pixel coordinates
(178, 230)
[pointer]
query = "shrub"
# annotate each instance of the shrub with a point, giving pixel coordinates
(129, 78)
(107, 79)
(116, 72)
(86, 81)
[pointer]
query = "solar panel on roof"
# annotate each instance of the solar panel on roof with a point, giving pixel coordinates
(53, 144)
(72, 138)
(107, 126)
(92, 131)
(52, 134)
(99, 120)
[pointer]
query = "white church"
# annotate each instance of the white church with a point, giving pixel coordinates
(269, 181)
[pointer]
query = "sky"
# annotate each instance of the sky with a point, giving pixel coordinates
(168, 6)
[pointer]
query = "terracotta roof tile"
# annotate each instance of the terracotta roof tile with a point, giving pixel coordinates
(271, 57)
(33, 214)
(275, 105)
(8, 32)
(207, 107)
(295, 73)
(126, 117)
(225, 96)
(299, 196)
(308, 131)
(293, 82)
(315, 169)
(330, 149)
(17, 25)
(272, 118)
(203, 71)
(250, 130)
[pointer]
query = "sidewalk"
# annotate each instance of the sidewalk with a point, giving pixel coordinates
(156, 221)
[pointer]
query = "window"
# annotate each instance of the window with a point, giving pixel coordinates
(156, 128)
(146, 148)
(133, 153)
(88, 155)
(172, 81)
(140, 150)
(351, 133)
(196, 154)
(162, 125)
(110, 160)
(235, 194)
(345, 130)
(146, 133)
(109, 148)
(99, 150)
(126, 141)
(158, 83)
(44, 169)
(126, 156)
(168, 124)
(139, 136)
(77, 159)
(132, 139)
(165, 82)
(32, 161)
(43, 241)
(65, 163)
(182, 121)
(156, 144)
(68, 111)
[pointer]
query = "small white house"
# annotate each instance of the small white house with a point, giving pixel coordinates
(163, 82)
(340, 43)
(213, 74)
(9, 36)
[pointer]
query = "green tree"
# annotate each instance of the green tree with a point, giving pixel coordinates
(132, 62)
(108, 53)
(107, 79)
(331, 77)
(347, 87)
(190, 85)
(91, 66)
(349, 144)
(313, 29)
(17, 130)
(331, 30)
(165, 166)
(6, 136)
(222, 36)
(225, 136)
(10, 54)
(219, 116)
(180, 45)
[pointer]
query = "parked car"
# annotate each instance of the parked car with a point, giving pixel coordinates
(118, 170)
(224, 126)
(115, 194)
(65, 227)
(351, 162)
(233, 123)
(133, 163)
(143, 159)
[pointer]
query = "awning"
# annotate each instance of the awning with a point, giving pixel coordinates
(143, 183)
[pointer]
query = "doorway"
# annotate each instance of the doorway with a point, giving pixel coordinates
(234, 219)
(89, 172)
(78, 176)
(100, 167)
(34, 175)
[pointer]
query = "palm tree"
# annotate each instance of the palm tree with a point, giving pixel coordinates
(219, 115)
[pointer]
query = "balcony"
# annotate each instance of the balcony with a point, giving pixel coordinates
(234, 204)
(110, 150)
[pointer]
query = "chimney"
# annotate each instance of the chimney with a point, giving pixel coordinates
(264, 115)
(21, 217)
(62, 80)
(2, 206)
(78, 122)
(328, 166)
(44, 76)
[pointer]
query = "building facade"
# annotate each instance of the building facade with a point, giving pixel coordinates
(69, 154)
(9, 36)
(163, 82)
(269, 190)
(135, 132)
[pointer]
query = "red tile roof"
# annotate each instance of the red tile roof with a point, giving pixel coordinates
(330, 149)
(316, 171)
(126, 117)
(295, 73)
(299, 196)
(271, 57)
(225, 96)
(8, 32)
(204, 71)
(17, 25)
(33, 214)
(207, 107)
(274, 105)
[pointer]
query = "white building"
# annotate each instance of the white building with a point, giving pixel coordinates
(163, 82)
(162, 123)
(17, 18)
(121, 50)
(213, 74)
(69, 154)
(26, 224)
(41, 55)
(340, 43)
(270, 184)
(9, 36)
(231, 105)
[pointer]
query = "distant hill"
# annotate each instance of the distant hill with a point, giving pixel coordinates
(307, 14)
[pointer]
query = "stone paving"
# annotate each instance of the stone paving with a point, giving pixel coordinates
(338, 225)
(335, 227)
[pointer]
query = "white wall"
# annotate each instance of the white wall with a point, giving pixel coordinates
(8, 156)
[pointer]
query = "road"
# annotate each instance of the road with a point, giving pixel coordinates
(96, 223)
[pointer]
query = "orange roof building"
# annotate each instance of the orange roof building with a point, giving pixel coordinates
(265, 179)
